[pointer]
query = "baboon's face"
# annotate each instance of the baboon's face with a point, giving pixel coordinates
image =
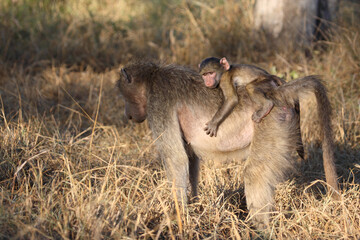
(210, 79)
(210, 70)
(134, 93)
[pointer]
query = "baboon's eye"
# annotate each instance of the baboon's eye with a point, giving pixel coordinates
(207, 73)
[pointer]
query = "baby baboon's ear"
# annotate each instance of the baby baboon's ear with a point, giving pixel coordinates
(224, 62)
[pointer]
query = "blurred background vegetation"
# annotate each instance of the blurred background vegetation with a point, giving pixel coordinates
(72, 167)
(106, 33)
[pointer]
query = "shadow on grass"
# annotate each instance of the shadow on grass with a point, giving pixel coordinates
(45, 33)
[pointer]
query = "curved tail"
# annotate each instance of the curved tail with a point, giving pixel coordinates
(291, 92)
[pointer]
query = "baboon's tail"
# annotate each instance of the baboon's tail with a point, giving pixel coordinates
(290, 92)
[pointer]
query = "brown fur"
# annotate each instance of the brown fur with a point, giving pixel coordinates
(230, 77)
(178, 105)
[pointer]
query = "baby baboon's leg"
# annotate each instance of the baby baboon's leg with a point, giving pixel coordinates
(263, 105)
(264, 109)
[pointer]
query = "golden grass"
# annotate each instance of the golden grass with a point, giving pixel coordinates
(72, 167)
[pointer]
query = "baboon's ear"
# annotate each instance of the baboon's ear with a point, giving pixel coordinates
(224, 62)
(126, 76)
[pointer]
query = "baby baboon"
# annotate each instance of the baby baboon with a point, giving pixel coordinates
(218, 72)
(177, 105)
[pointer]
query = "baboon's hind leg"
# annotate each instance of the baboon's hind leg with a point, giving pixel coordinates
(259, 195)
(271, 159)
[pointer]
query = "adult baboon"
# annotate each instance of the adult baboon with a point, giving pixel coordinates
(178, 104)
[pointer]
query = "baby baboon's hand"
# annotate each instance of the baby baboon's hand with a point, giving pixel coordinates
(211, 129)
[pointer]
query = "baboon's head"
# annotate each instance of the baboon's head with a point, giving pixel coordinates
(211, 70)
(133, 89)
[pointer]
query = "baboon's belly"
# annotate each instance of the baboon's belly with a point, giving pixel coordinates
(235, 133)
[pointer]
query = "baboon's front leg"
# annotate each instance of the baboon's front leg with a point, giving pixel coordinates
(194, 164)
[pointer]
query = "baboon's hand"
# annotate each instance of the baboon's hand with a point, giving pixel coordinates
(211, 129)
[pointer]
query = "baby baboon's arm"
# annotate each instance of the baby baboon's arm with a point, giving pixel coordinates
(230, 101)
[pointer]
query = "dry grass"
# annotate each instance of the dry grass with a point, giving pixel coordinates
(71, 166)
